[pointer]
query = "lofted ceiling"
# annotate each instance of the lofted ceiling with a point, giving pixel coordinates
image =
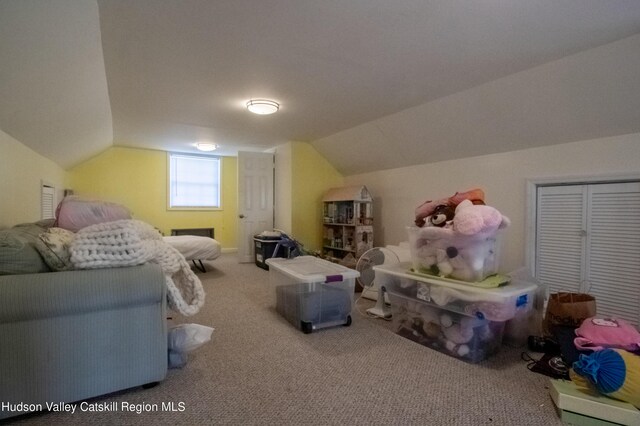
(78, 76)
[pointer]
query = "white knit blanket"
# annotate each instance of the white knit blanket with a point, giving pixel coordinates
(132, 242)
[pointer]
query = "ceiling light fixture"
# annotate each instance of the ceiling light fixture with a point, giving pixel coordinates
(205, 146)
(262, 106)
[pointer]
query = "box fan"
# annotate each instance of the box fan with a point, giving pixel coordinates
(375, 257)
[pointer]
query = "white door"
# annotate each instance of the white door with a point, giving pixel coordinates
(255, 200)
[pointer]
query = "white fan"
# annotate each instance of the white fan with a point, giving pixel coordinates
(374, 257)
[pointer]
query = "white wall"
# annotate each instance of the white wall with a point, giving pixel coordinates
(21, 173)
(282, 192)
(503, 177)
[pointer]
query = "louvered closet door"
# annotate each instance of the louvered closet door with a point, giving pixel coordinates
(588, 240)
(560, 239)
(613, 249)
(47, 202)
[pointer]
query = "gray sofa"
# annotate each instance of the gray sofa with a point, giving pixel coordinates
(72, 335)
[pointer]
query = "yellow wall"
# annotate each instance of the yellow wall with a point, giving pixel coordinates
(312, 175)
(137, 178)
(21, 172)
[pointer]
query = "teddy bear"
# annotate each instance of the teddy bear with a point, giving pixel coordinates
(442, 214)
(427, 208)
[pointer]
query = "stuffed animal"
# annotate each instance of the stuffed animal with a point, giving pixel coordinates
(421, 319)
(427, 208)
(476, 219)
(465, 248)
(441, 215)
(457, 335)
(431, 321)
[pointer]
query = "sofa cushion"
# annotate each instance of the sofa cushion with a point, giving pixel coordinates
(30, 297)
(53, 246)
(18, 254)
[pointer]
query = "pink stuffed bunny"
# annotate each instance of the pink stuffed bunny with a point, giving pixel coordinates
(472, 219)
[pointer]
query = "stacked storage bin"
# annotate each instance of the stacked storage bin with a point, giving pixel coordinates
(460, 319)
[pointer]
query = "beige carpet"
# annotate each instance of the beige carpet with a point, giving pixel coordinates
(260, 370)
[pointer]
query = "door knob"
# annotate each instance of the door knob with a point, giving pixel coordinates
(241, 216)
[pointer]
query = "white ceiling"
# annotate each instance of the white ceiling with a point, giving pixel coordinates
(180, 71)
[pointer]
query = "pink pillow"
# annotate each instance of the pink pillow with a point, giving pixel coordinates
(74, 213)
(600, 333)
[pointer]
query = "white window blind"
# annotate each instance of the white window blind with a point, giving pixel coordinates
(194, 181)
(47, 201)
(588, 240)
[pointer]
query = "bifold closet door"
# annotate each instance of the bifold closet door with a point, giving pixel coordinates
(588, 240)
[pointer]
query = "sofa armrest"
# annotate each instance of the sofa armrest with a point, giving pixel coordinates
(54, 294)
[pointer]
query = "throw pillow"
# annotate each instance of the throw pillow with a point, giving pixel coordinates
(53, 246)
(18, 254)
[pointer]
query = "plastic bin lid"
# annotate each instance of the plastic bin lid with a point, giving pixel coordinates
(311, 269)
(515, 288)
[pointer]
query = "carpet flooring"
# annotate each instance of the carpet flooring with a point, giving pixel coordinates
(260, 370)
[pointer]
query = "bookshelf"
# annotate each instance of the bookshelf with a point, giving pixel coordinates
(347, 228)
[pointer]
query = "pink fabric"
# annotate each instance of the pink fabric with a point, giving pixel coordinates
(601, 333)
(74, 213)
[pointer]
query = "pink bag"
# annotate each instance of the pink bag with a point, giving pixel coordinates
(74, 213)
(601, 333)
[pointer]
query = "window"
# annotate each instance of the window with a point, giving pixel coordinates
(194, 182)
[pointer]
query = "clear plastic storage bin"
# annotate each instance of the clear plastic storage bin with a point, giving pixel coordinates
(465, 337)
(463, 257)
(495, 304)
(459, 319)
(312, 293)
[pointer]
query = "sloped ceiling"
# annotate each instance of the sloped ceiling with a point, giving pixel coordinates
(375, 80)
(53, 87)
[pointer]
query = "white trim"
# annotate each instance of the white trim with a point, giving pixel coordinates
(229, 250)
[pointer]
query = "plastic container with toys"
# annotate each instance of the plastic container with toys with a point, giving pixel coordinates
(450, 255)
(457, 318)
(465, 337)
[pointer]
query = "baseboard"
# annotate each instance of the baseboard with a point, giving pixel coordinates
(229, 250)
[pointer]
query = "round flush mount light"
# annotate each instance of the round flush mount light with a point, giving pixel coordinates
(262, 106)
(206, 146)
